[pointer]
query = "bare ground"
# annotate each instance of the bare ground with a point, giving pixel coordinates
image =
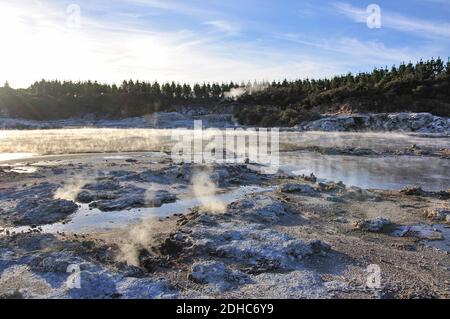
(300, 240)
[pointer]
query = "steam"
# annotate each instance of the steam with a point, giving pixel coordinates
(250, 89)
(83, 140)
(204, 189)
(138, 237)
(72, 188)
(235, 93)
(141, 236)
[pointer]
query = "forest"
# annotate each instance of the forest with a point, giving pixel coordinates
(417, 87)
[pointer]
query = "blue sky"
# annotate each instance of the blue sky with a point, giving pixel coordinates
(200, 40)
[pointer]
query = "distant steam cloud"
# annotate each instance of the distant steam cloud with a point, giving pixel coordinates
(236, 93)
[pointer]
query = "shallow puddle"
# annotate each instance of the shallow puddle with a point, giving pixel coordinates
(437, 236)
(87, 220)
(23, 169)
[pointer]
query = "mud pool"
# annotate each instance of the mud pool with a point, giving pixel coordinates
(368, 160)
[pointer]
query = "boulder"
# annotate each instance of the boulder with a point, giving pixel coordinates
(412, 191)
(218, 276)
(439, 214)
(297, 188)
(40, 211)
(372, 225)
(259, 208)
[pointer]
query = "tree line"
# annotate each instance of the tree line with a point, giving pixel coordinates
(168, 90)
(422, 86)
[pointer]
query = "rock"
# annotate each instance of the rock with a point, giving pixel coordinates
(259, 208)
(439, 214)
(221, 175)
(87, 197)
(42, 211)
(319, 247)
(12, 295)
(54, 263)
(335, 199)
(341, 220)
(372, 225)
(172, 246)
(148, 261)
(136, 198)
(44, 190)
(356, 193)
(298, 284)
(217, 275)
(297, 188)
(423, 232)
(311, 178)
(110, 195)
(252, 245)
(103, 185)
(412, 191)
(145, 288)
(39, 265)
(331, 186)
(415, 122)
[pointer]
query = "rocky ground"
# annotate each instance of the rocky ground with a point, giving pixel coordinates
(406, 122)
(299, 238)
(421, 123)
(413, 150)
(161, 120)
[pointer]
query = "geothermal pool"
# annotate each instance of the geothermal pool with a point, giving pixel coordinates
(385, 172)
(381, 172)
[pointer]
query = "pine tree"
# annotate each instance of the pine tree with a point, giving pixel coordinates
(448, 67)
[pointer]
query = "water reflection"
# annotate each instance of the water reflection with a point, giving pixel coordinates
(387, 172)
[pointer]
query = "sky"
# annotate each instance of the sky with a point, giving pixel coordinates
(214, 41)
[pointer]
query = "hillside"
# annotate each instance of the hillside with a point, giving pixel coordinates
(420, 87)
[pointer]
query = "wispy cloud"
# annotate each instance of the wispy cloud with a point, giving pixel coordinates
(392, 20)
(182, 7)
(166, 40)
(356, 52)
(224, 27)
(109, 51)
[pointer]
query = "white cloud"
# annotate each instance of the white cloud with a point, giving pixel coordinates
(40, 45)
(36, 44)
(392, 20)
